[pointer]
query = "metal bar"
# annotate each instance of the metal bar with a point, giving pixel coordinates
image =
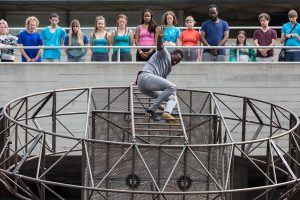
(251, 105)
(70, 101)
(53, 121)
(184, 148)
(112, 168)
(263, 173)
(262, 194)
(229, 167)
(222, 117)
(86, 129)
(244, 122)
(4, 147)
(54, 164)
(35, 121)
(33, 196)
(26, 123)
(187, 104)
(145, 164)
(42, 105)
(88, 162)
(253, 138)
(21, 106)
(273, 164)
(65, 127)
(293, 159)
(40, 157)
(132, 114)
(15, 153)
(215, 96)
(181, 120)
(52, 191)
(111, 101)
(15, 184)
(35, 142)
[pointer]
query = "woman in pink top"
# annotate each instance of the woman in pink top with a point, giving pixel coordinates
(145, 35)
(190, 37)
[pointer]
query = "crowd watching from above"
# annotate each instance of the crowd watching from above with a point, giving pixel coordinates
(121, 44)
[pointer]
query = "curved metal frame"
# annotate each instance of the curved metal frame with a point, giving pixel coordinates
(37, 124)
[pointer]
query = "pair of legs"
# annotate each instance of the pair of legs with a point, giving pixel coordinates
(208, 57)
(292, 56)
(265, 59)
(159, 88)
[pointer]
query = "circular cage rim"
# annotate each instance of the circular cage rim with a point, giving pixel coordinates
(103, 87)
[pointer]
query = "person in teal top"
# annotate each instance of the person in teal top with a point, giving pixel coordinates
(122, 37)
(100, 37)
(245, 55)
(76, 38)
(290, 36)
(53, 35)
(171, 33)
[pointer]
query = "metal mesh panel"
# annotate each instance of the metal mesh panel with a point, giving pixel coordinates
(116, 99)
(193, 101)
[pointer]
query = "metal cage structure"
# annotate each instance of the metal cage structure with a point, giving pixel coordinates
(125, 155)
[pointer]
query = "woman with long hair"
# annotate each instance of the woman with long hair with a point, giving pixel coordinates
(171, 33)
(76, 38)
(100, 37)
(245, 54)
(122, 36)
(145, 35)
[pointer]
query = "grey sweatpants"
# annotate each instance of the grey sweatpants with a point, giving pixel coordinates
(159, 88)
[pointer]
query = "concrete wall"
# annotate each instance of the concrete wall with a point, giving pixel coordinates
(278, 83)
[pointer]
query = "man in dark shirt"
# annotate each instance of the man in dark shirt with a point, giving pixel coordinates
(265, 36)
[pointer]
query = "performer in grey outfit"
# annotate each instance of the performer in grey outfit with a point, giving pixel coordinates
(152, 79)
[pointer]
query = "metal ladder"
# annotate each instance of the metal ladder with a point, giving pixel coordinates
(146, 130)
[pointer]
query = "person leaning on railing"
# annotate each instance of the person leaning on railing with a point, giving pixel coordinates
(265, 36)
(290, 36)
(171, 33)
(100, 37)
(76, 38)
(7, 40)
(122, 36)
(53, 35)
(30, 37)
(242, 55)
(146, 35)
(190, 37)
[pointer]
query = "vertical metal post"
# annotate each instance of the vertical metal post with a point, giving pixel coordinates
(133, 170)
(268, 153)
(43, 167)
(244, 123)
(119, 54)
(26, 123)
(54, 121)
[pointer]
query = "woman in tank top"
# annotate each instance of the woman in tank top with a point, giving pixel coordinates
(100, 37)
(145, 35)
(122, 36)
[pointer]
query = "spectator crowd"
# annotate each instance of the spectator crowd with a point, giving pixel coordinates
(214, 32)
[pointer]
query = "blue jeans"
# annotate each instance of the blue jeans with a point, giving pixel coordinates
(159, 88)
(292, 56)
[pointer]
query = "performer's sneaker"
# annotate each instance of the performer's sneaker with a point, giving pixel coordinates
(169, 118)
(152, 115)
